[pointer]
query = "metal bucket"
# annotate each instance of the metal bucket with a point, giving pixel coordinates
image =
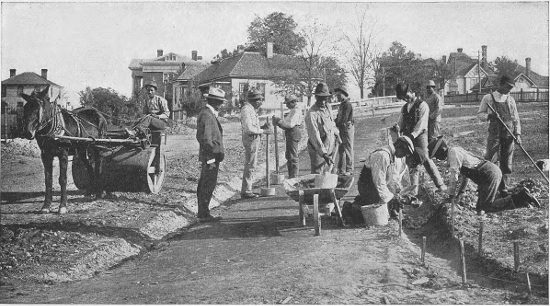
(375, 215)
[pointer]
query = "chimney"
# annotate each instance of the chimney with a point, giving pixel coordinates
(269, 51)
(159, 52)
(444, 59)
(194, 55)
(44, 73)
(527, 66)
(459, 50)
(484, 56)
(12, 73)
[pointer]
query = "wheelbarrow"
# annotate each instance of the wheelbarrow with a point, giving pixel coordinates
(302, 190)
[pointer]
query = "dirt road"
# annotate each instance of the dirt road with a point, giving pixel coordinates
(260, 254)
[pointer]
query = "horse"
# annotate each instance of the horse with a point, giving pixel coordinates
(45, 120)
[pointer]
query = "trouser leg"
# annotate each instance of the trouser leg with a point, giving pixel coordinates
(151, 123)
(487, 178)
(292, 157)
(421, 148)
(205, 188)
(506, 155)
(492, 147)
(250, 160)
(346, 149)
(433, 129)
(316, 161)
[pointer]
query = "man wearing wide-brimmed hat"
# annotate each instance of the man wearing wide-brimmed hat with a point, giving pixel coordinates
(251, 132)
(155, 108)
(322, 132)
(211, 151)
(292, 124)
(484, 173)
(413, 123)
(345, 124)
(498, 140)
(435, 103)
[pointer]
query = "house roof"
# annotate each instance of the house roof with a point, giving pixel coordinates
(251, 65)
(28, 78)
(137, 63)
(539, 80)
(191, 70)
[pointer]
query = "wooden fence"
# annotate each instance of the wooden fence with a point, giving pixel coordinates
(519, 96)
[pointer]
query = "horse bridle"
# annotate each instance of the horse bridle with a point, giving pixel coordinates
(54, 120)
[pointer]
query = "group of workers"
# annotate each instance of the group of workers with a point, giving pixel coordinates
(417, 141)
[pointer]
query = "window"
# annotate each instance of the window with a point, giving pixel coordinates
(19, 90)
(261, 88)
(3, 91)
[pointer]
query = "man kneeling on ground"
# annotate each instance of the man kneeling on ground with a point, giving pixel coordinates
(484, 173)
(382, 169)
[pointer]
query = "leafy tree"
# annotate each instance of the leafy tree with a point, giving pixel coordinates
(282, 26)
(506, 66)
(335, 76)
(116, 108)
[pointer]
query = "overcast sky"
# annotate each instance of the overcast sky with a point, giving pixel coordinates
(91, 44)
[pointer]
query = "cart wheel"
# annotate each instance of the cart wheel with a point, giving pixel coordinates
(155, 173)
(316, 216)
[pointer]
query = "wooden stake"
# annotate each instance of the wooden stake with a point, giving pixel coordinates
(268, 182)
(276, 150)
(400, 221)
(316, 217)
(480, 238)
(423, 257)
(528, 283)
(463, 262)
(516, 256)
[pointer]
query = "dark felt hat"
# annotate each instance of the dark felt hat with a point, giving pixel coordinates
(437, 148)
(151, 84)
(507, 80)
(342, 90)
(322, 90)
(254, 94)
(401, 90)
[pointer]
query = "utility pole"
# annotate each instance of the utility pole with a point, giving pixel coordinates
(479, 71)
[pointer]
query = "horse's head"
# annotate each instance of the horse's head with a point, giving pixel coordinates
(33, 112)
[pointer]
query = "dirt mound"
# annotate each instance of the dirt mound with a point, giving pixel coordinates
(19, 146)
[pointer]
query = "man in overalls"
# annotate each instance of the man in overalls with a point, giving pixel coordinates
(345, 124)
(435, 103)
(499, 140)
(322, 132)
(291, 124)
(413, 123)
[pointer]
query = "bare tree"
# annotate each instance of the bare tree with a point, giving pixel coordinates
(362, 53)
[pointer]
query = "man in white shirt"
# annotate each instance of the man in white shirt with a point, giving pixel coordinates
(251, 132)
(484, 173)
(156, 111)
(292, 124)
(413, 123)
(498, 139)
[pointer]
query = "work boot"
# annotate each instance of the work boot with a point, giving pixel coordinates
(525, 199)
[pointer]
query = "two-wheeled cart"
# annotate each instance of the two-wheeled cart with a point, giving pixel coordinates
(133, 164)
(318, 200)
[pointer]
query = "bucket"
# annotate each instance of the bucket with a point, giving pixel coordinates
(326, 181)
(375, 215)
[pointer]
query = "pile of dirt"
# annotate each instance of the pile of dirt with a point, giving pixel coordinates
(43, 255)
(19, 146)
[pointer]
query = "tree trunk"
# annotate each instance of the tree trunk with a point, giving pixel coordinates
(361, 90)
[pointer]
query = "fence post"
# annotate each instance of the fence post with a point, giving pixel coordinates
(521, 95)
(463, 262)
(537, 99)
(516, 256)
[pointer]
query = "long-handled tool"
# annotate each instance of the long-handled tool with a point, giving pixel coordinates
(519, 144)
(268, 190)
(276, 176)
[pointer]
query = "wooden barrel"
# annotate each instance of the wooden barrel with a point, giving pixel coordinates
(129, 169)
